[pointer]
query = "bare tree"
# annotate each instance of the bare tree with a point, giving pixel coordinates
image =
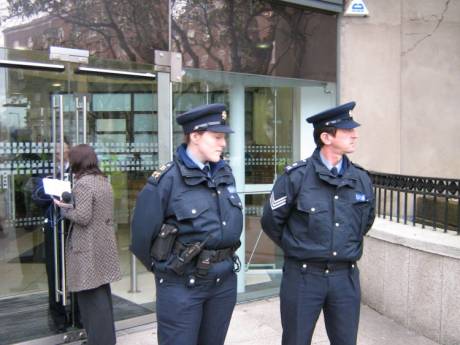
(249, 36)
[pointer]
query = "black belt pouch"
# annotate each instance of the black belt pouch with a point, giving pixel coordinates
(163, 244)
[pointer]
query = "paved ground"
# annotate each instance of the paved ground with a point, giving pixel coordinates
(259, 323)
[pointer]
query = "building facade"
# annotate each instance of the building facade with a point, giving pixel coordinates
(272, 63)
(402, 65)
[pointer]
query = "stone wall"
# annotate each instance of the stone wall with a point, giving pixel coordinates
(402, 65)
(412, 276)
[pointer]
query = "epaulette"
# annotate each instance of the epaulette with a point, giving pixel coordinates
(359, 167)
(295, 165)
(157, 174)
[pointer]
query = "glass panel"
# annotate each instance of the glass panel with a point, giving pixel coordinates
(269, 116)
(267, 119)
(123, 30)
(27, 265)
(259, 37)
(122, 124)
(145, 122)
(109, 102)
(269, 105)
(264, 260)
(145, 102)
(110, 125)
(128, 153)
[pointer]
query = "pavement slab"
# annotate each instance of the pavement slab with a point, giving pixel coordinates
(258, 323)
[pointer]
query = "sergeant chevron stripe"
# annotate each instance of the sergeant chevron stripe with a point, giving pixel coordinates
(277, 203)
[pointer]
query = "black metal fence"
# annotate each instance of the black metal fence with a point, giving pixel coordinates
(429, 201)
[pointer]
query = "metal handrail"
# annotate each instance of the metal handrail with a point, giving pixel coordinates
(429, 201)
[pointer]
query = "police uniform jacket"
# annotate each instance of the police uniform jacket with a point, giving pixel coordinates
(45, 201)
(316, 216)
(202, 208)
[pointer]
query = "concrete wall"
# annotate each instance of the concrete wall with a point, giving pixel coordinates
(402, 65)
(411, 275)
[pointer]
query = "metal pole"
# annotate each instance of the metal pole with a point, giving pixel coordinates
(54, 225)
(165, 119)
(237, 162)
(133, 275)
(77, 122)
(61, 237)
(169, 25)
(85, 113)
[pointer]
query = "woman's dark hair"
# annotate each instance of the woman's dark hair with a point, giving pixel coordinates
(317, 134)
(187, 136)
(83, 161)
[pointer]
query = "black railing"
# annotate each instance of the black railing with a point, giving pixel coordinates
(428, 201)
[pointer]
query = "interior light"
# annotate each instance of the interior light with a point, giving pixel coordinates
(263, 45)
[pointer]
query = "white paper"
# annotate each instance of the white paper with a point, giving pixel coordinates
(56, 187)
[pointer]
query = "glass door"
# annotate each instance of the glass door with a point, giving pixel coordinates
(30, 252)
(121, 124)
(46, 107)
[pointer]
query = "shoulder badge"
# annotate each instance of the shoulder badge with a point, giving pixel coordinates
(295, 165)
(157, 174)
(359, 166)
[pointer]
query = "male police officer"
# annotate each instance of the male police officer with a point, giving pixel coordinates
(57, 311)
(318, 212)
(186, 228)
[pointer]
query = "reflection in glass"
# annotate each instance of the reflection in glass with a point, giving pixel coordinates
(122, 30)
(257, 36)
(260, 37)
(269, 117)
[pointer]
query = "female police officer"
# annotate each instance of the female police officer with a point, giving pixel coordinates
(186, 228)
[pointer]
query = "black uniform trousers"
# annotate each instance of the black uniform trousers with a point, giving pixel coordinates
(96, 312)
(57, 310)
(198, 315)
(305, 291)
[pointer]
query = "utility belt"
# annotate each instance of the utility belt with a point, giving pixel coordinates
(325, 267)
(166, 244)
(213, 256)
(205, 258)
(190, 281)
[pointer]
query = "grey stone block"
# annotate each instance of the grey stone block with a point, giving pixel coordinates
(425, 294)
(396, 280)
(371, 268)
(450, 331)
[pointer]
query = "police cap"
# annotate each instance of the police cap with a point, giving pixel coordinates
(208, 117)
(338, 117)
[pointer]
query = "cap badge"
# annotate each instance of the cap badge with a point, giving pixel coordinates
(224, 115)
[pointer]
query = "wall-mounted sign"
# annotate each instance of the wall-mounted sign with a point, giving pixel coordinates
(356, 8)
(328, 5)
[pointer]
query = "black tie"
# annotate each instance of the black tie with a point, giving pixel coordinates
(334, 171)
